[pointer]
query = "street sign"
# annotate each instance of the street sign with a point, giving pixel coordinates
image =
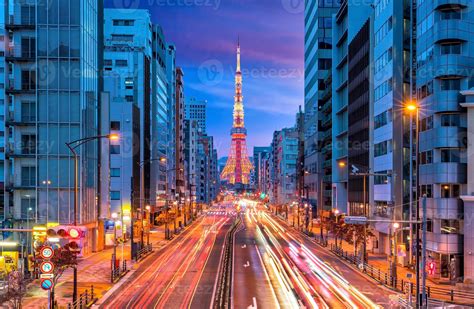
(355, 220)
(47, 252)
(46, 276)
(47, 267)
(46, 284)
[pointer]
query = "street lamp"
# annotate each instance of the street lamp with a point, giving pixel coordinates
(413, 109)
(148, 209)
(72, 147)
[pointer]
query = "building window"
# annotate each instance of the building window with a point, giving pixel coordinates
(450, 14)
(129, 83)
(451, 49)
(382, 148)
(122, 37)
(425, 90)
(324, 64)
(426, 123)
(426, 157)
(451, 84)
(425, 24)
(115, 195)
(383, 89)
(123, 22)
(381, 179)
(28, 176)
(426, 190)
(121, 63)
(429, 225)
(450, 155)
(449, 191)
(114, 149)
(449, 226)
(28, 205)
(107, 62)
(450, 120)
(28, 111)
(383, 60)
(115, 172)
(28, 144)
(115, 125)
(28, 80)
(383, 119)
(383, 31)
(129, 98)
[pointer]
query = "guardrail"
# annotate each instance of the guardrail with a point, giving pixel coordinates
(435, 294)
(147, 249)
(116, 273)
(85, 300)
(224, 282)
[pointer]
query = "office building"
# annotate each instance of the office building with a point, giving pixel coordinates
(48, 101)
(196, 110)
(318, 62)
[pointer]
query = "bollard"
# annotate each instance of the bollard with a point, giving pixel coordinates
(92, 291)
(386, 279)
(87, 297)
(379, 273)
(403, 286)
(429, 291)
(452, 295)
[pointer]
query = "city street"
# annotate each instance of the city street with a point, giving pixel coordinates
(172, 277)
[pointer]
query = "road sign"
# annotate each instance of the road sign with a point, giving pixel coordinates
(46, 284)
(46, 276)
(355, 220)
(47, 252)
(47, 267)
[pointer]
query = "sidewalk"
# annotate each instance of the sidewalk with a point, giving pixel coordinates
(92, 270)
(381, 262)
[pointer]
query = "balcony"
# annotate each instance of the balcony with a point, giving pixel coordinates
(451, 29)
(445, 208)
(439, 4)
(443, 101)
(443, 137)
(18, 54)
(23, 120)
(25, 89)
(445, 243)
(451, 65)
(443, 173)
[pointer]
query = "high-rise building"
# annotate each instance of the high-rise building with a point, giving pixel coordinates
(191, 138)
(238, 166)
(196, 110)
(50, 101)
(284, 172)
(159, 120)
(445, 62)
(318, 62)
(171, 140)
(128, 62)
(259, 153)
(179, 136)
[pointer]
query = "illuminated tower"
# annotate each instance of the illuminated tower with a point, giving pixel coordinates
(238, 166)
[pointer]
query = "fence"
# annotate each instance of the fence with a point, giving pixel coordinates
(85, 300)
(403, 286)
(116, 273)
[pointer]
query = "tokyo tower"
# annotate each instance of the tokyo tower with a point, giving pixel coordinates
(238, 167)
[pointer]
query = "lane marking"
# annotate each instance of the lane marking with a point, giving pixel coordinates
(247, 264)
(254, 305)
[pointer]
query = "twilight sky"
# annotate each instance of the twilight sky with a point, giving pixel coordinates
(272, 42)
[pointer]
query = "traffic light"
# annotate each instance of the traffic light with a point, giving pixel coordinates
(67, 237)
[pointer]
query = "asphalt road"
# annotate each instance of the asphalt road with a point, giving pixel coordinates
(171, 278)
(252, 285)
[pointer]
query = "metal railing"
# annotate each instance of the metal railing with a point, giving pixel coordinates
(434, 293)
(116, 273)
(224, 283)
(85, 300)
(143, 252)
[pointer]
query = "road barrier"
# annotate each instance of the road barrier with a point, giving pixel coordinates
(435, 294)
(85, 300)
(224, 283)
(116, 273)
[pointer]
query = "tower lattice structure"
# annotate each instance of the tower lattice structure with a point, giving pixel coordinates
(238, 166)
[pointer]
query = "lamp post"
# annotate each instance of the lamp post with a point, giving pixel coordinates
(413, 109)
(114, 259)
(148, 208)
(72, 147)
